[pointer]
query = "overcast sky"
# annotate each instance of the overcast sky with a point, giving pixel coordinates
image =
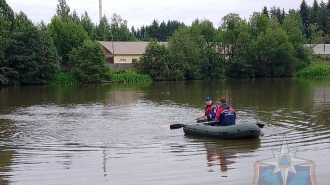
(143, 12)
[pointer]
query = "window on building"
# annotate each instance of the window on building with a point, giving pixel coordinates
(122, 60)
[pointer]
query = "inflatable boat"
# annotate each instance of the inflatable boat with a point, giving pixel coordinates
(238, 131)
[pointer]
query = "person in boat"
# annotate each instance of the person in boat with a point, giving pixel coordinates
(225, 115)
(210, 111)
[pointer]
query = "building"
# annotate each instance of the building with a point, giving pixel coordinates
(121, 54)
(319, 49)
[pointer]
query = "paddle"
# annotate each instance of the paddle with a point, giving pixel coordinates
(177, 126)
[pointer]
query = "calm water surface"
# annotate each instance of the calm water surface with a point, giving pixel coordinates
(119, 135)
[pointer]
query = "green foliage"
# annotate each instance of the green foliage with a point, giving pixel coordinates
(239, 63)
(184, 48)
(305, 16)
(119, 30)
(5, 11)
(87, 62)
(63, 77)
(155, 62)
(239, 68)
(115, 30)
(63, 11)
(30, 54)
(259, 23)
(274, 54)
(191, 54)
(127, 76)
(88, 25)
(160, 32)
(6, 20)
(4, 35)
(66, 36)
(318, 70)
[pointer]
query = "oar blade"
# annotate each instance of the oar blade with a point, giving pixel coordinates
(177, 126)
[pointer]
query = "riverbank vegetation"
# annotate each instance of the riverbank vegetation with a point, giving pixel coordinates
(320, 67)
(65, 51)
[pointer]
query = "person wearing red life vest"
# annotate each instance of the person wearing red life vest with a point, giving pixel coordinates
(210, 111)
(225, 115)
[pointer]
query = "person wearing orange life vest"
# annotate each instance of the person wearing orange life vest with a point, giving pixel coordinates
(225, 115)
(210, 111)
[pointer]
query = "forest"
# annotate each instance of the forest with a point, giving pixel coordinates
(269, 44)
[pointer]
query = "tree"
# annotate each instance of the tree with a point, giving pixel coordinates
(258, 23)
(30, 54)
(155, 62)
(47, 53)
(239, 65)
(317, 36)
(66, 36)
(87, 61)
(206, 29)
(230, 24)
(153, 29)
(274, 54)
(305, 16)
(119, 29)
(5, 11)
(293, 27)
(163, 33)
(265, 11)
(63, 11)
(324, 20)
(88, 25)
(276, 13)
(315, 12)
(74, 17)
(102, 31)
(185, 46)
(6, 21)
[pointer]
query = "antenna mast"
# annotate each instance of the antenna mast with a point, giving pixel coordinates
(100, 10)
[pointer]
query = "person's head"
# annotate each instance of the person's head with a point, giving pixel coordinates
(208, 100)
(222, 100)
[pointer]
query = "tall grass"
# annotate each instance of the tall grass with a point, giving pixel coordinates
(63, 77)
(313, 71)
(127, 76)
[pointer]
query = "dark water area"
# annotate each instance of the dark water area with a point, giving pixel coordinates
(119, 133)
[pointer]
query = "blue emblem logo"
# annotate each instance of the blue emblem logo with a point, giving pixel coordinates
(284, 169)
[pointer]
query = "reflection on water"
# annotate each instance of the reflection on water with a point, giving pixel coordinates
(223, 153)
(111, 134)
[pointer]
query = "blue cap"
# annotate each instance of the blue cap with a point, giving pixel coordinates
(208, 98)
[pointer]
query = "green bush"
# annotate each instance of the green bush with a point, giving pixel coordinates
(317, 70)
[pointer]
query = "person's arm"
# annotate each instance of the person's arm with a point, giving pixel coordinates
(213, 114)
(201, 117)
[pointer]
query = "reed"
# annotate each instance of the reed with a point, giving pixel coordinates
(313, 71)
(63, 77)
(127, 76)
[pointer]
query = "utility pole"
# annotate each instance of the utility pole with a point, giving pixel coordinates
(100, 10)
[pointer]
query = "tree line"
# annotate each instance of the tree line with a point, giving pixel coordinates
(268, 44)
(260, 47)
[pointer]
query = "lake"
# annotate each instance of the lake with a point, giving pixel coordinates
(118, 134)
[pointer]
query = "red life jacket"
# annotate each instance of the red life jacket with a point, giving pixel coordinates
(208, 109)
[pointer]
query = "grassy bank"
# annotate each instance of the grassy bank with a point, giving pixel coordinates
(63, 77)
(320, 66)
(121, 76)
(127, 76)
